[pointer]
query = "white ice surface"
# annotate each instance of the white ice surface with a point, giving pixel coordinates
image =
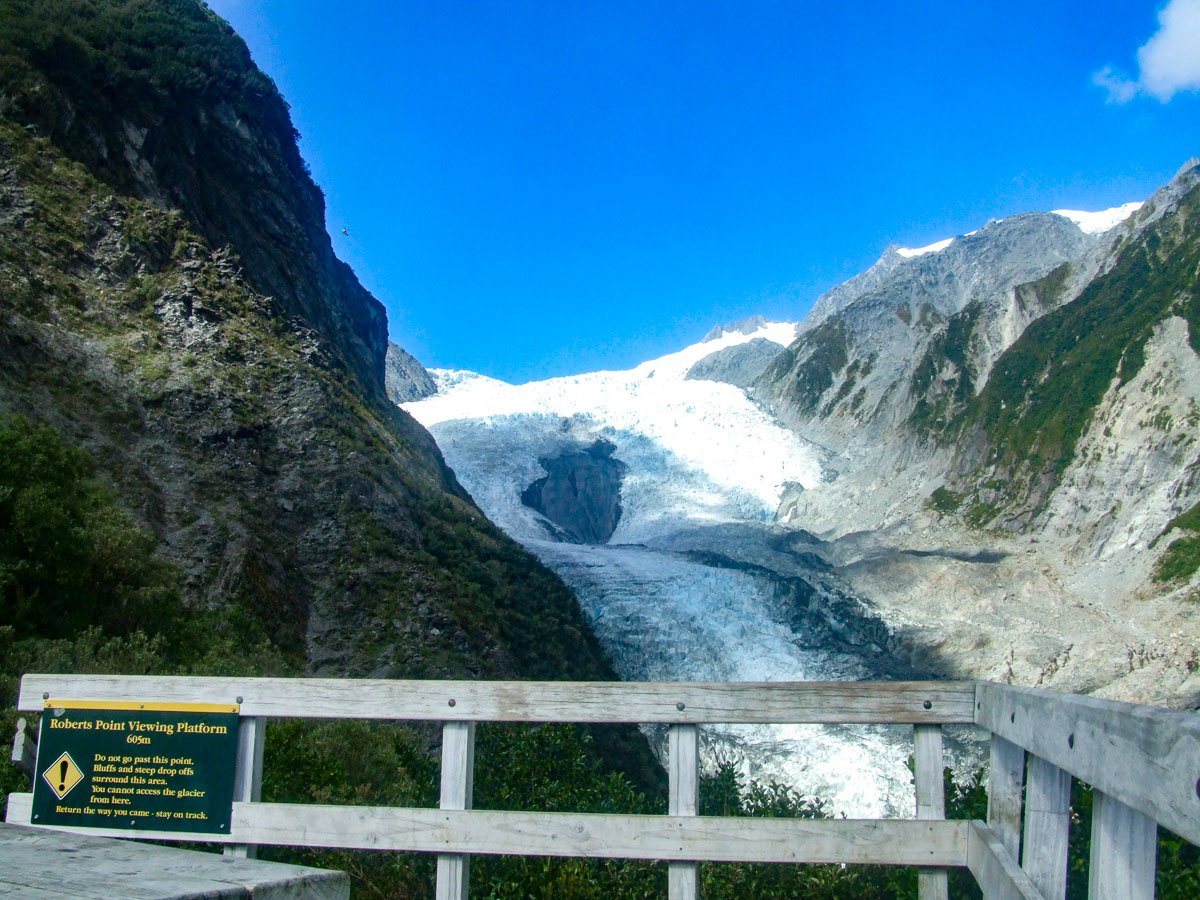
(1099, 222)
(698, 453)
(936, 247)
(710, 428)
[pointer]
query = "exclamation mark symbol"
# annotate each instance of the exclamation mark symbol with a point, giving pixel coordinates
(62, 777)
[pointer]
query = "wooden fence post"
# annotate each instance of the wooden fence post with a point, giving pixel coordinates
(458, 782)
(683, 749)
(1124, 843)
(1047, 822)
(932, 884)
(247, 773)
(1006, 784)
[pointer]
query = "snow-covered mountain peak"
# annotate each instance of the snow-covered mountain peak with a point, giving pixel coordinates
(936, 247)
(676, 365)
(702, 438)
(1102, 221)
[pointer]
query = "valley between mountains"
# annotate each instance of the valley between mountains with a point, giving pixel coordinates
(976, 459)
(923, 477)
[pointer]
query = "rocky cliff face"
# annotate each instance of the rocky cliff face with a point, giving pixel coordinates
(581, 492)
(405, 378)
(741, 365)
(169, 299)
(1010, 421)
(875, 349)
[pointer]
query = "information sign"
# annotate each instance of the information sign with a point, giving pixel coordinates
(142, 766)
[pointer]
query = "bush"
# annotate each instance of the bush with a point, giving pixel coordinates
(70, 557)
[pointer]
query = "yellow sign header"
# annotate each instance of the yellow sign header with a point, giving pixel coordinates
(148, 707)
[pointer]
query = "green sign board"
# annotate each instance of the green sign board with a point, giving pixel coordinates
(138, 766)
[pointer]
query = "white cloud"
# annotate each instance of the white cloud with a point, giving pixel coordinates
(1120, 89)
(1169, 62)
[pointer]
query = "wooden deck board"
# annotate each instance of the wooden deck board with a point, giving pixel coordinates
(37, 863)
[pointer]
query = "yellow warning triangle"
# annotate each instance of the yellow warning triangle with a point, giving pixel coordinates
(62, 775)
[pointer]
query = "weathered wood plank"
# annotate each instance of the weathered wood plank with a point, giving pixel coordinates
(24, 748)
(932, 884)
(1147, 758)
(1005, 790)
(995, 869)
(1124, 843)
(904, 842)
(19, 811)
(458, 786)
(247, 773)
(37, 862)
(1047, 824)
(934, 702)
(683, 759)
(667, 838)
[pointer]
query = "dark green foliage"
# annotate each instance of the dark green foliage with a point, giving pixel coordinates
(725, 792)
(70, 557)
(500, 592)
(109, 63)
(939, 396)
(1045, 388)
(826, 348)
(555, 768)
(1182, 558)
(858, 369)
(360, 764)
(944, 500)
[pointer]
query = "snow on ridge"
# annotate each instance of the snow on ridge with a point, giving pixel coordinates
(677, 364)
(1102, 221)
(1088, 222)
(937, 247)
(711, 427)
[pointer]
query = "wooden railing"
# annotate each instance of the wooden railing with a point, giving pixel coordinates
(1144, 764)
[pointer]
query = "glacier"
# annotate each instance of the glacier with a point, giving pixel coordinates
(697, 583)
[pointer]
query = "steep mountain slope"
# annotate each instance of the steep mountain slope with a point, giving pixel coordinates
(170, 301)
(862, 362)
(1040, 408)
(978, 459)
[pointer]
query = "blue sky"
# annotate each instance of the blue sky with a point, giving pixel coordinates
(545, 188)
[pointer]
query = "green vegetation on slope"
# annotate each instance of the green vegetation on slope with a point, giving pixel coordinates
(944, 380)
(826, 350)
(1044, 389)
(130, 61)
(70, 557)
(1182, 557)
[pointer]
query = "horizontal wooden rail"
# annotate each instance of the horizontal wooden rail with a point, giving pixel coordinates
(836, 702)
(1143, 762)
(1147, 758)
(668, 838)
(995, 870)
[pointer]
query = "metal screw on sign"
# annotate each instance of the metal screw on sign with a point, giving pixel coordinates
(928, 704)
(679, 706)
(451, 702)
